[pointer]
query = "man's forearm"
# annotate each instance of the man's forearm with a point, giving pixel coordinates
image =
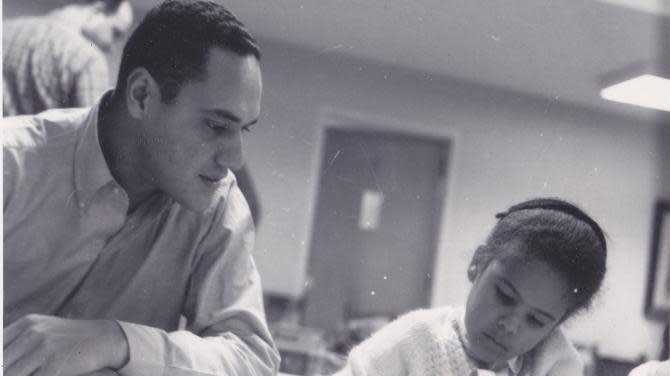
(155, 351)
(46, 345)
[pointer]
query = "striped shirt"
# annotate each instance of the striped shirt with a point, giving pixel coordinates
(47, 64)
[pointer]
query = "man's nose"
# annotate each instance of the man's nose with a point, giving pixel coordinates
(230, 153)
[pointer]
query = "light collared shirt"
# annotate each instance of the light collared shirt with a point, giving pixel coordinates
(49, 64)
(71, 250)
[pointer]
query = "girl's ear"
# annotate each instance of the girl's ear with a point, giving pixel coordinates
(478, 263)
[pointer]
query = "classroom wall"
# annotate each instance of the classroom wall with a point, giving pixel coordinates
(507, 147)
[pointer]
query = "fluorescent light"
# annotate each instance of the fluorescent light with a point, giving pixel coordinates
(646, 91)
(656, 7)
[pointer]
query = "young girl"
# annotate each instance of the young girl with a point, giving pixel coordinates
(543, 261)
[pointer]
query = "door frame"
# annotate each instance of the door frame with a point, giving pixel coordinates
(329, 117)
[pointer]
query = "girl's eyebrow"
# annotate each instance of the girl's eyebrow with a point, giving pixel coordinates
(514, 290)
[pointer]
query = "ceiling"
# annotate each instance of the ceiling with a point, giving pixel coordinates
(562, 50)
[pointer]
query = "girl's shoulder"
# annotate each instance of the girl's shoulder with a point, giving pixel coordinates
(418, 327)
(439, 314)
(427, 319)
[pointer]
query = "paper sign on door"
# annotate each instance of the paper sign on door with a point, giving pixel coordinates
(371, 207)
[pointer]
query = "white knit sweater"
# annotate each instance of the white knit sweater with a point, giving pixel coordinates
(426, 343)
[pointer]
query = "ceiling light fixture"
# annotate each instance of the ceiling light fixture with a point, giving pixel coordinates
(646, 90)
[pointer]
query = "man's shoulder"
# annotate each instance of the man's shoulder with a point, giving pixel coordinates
(52, 127)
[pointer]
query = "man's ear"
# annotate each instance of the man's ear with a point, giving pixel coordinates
(141, 90)
(478, 263)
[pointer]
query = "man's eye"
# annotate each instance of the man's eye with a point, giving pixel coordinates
(218, 127)
(246, 128)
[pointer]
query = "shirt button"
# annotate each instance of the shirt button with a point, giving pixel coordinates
(115, 190)
(82, 205)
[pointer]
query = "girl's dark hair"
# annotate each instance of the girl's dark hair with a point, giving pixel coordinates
(174, 39)
(560, 234)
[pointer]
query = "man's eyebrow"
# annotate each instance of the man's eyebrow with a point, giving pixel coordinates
(537, 310)
(224, 114)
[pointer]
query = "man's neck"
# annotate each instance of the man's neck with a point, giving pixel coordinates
(119, 140)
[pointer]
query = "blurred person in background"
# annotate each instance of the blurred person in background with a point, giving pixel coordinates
(58, 60)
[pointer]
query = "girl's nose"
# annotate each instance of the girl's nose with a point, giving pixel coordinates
(508, 324)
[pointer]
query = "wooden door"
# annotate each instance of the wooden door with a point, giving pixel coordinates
(376, 225)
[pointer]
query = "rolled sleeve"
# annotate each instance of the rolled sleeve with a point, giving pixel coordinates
(148, 348)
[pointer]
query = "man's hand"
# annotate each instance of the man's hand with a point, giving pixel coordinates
(45, 345)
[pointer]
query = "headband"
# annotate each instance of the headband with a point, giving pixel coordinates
(559, 206)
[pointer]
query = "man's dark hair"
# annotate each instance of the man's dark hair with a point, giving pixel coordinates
(174, 39)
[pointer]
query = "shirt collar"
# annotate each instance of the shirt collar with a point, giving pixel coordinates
(91, 170)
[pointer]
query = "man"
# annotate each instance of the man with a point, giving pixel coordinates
(57, 60)
(121, 218)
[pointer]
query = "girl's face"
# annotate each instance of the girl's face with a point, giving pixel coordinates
(513, 305)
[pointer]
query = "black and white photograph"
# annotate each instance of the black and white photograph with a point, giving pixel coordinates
(343, 187)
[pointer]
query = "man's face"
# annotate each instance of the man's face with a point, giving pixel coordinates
(511, 307)
(190, 145)
(104, 29)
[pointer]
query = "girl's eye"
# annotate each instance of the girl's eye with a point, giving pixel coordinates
(504, 297)
(535, 322)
